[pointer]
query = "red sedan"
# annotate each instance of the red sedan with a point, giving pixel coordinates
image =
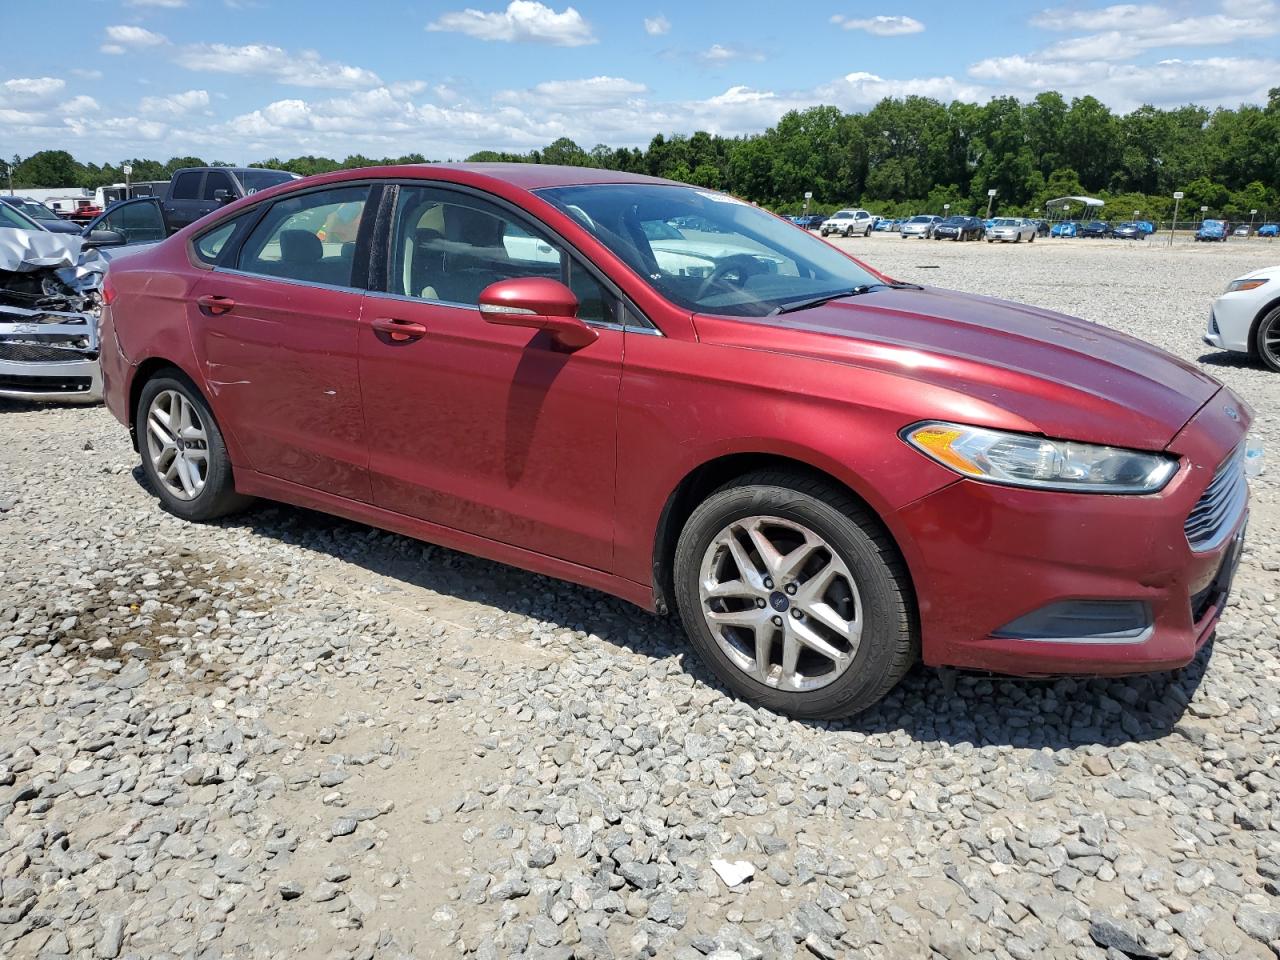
(673, 396)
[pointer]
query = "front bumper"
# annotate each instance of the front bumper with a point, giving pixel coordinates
(78, 381)
(987, 558)
(48, 355)
(1231, 321)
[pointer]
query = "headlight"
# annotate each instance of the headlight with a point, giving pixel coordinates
(1249, 284)
(1022, 460)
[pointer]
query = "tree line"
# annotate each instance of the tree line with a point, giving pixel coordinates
(904, 156)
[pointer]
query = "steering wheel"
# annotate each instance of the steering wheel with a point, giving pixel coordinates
(742, 264)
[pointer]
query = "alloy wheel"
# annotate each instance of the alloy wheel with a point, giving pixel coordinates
(177, 444)
(780, 603)
(1269, 342)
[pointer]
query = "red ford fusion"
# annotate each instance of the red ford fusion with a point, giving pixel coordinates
(664, 393)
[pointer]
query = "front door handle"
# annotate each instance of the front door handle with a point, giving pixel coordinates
(400, 331)
(215, 304)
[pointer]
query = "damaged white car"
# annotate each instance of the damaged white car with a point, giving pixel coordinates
(49, 308)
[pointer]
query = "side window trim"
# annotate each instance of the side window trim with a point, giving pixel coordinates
(520, 217)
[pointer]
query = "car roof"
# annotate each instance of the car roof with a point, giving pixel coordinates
(530, 176)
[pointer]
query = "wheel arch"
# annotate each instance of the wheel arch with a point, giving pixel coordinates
(704, 479)
(1257, 322)
(144, 371)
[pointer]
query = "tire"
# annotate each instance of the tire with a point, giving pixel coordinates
(1266, 340)
(189, 497)
(1031, 239)
(874, 581)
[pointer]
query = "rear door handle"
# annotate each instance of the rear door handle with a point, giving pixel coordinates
(215, 304)
(399, 330)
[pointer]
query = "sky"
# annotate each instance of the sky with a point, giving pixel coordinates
(243, 80)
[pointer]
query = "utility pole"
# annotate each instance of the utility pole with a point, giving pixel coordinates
(991, 195)
(127, 171)
(1177, 198)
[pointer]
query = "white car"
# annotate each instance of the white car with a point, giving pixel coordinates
(920, 226)
(1246, 317)
(1011, 230)
(848, 222)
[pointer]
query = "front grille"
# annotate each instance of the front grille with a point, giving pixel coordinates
(45, 384)
(40, 353)
(1220, 506)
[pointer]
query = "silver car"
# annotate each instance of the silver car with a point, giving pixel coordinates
(1011, 230)
(920, 226)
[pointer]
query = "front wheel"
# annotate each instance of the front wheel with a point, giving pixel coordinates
(1266, 340)
(795, 597)
(183, 454)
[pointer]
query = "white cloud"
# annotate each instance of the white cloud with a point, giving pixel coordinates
(882, 26)
(303, 69)
(523, 20)
(1123, 30)
(177, 105)
(656, 26)
(858, 91)
(719, 53)
(124, 37)
(1125, 86)
(1123, 16)
(595, 91)
(80, 105)
(84, 74)
(30, 90)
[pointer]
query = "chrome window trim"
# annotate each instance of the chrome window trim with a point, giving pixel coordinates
(289, 280)
(475, 308)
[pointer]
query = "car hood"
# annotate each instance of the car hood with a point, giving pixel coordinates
(1059, 375)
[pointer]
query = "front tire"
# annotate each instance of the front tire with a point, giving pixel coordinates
(183, 453)
(1266, 340)
(795, 597)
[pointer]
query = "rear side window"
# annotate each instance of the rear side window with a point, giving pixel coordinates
(311, 238)
(186, 186)
(209, 245)
(216, 180)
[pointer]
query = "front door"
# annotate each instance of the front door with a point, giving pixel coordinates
(275, 332)
(492, 430)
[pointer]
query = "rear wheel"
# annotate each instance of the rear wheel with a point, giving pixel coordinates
(1266, 340)
(183, 454)
(795, 598)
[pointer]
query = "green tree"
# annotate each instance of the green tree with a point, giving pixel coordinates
(48, 168)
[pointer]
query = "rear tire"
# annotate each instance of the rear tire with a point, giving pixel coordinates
(834, 574)
(183, 453)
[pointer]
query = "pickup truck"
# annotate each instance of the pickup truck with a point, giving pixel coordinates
(195, 191)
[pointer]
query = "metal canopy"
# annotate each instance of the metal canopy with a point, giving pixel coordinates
(1087, 201)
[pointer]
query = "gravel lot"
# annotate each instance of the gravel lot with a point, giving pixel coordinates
(291, 735)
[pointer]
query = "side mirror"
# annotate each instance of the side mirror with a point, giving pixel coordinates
(538, 303)
(104, 238)
(222, 196)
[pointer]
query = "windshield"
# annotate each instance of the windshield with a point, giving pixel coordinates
(842, 215)
(1005, 223)
(10, 217)
(36, 211)
(920, 219)
(739, 261)
(954, 221)
(255, 180)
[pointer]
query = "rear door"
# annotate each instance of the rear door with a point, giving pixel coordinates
(274, 327)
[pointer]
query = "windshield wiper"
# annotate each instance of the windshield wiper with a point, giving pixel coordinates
(838, 295)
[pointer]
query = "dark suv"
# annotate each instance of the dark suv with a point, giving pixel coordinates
(195, 191)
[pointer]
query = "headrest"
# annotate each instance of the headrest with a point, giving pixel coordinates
(472, 227)
(300, 246)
